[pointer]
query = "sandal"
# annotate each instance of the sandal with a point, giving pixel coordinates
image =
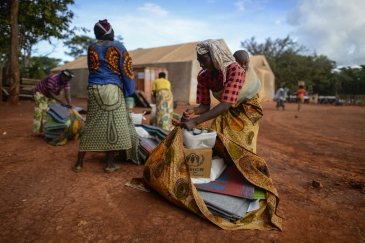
(76, 170)
(115, 168)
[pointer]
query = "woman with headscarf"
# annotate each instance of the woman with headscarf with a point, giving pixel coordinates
(108, 126)
(163, 98)
(46, 92)
(236, 122)
(238, 113)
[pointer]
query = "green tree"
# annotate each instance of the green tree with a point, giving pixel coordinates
(40, 66)
(14, 59)
(4, 40)
(272, 49)
(37, 20)
(352, 80)
(79, 44)
(289, 65)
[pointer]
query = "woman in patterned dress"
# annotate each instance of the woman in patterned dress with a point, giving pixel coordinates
(107, 127)
(45, 93)
(238, 113)
(162, 95)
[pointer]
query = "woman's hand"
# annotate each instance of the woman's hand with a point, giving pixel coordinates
(189, 113)
(63, 103)
(190, 124)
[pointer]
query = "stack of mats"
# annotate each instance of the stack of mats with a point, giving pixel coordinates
(228, 197)
(230, 194)
(64, 123)
(146, 145)
(60, 120)
(224, 206)
(232, 182)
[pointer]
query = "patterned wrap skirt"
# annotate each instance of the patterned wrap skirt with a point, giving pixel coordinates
(107, 125)
(240, 123)
(40, 111)
(164, 109)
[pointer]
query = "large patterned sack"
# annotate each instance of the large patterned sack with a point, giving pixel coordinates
(167, 172)
(72, 132)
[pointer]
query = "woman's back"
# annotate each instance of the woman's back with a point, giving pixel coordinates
(110, 63)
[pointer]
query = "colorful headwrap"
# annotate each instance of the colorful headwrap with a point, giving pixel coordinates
(221, 57)
(103, 30)
(67, 73)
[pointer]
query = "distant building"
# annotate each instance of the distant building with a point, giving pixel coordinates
(182, 65)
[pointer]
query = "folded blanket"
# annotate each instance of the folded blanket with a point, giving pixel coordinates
(51, 136)
(148, 144)
(72, 129)
(59, 112)
(53, 125)
(55, 116)
(230, 207)
(218, 166)
(230, 182)
(259, 193)
(143, 133)
(53, 133)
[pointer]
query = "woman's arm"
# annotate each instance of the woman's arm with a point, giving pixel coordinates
(68, 97)
(207, 114)
(53, 96)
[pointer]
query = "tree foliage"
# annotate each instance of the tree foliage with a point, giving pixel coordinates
(37, 20)
(40, 66)
(4, 39)
(272, 49)
(289, 65)
(14, 58)
(78, 44)
(352, 80)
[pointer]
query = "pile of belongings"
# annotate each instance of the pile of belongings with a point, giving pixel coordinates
(227, 193)
(65, 124)
(149, 137)
(166, 172)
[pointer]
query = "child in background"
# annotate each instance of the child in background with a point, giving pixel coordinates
(300, 96)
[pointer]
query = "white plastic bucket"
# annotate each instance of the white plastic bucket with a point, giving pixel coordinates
(137, 118)
(152, 114)
(203, 140)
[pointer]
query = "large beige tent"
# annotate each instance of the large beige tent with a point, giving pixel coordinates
(266, 76)
(181, 63)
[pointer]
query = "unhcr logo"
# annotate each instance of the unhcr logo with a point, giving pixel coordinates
(194, 159)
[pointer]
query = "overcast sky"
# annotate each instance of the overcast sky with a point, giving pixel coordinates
(335, 28)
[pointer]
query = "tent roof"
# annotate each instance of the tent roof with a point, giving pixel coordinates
(259, 61)
(175, 53)
(78, 63)
(164, 54)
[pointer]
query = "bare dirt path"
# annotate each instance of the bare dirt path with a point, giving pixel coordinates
(42, 200)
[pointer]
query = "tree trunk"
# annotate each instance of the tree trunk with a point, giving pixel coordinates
(14, 54)
(1, 80)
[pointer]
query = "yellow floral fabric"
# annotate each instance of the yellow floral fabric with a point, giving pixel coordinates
(40, 111)
(72, 132)
(241, 122)
(167, 172)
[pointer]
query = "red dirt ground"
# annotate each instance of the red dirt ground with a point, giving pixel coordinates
(43, 200)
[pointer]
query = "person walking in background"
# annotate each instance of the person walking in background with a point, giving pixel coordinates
(108, 127)
(163, 98)
(45, 93)
(239, 111)
(280, 98)
(300, 96)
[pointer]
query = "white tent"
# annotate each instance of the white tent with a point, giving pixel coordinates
(182, 65)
